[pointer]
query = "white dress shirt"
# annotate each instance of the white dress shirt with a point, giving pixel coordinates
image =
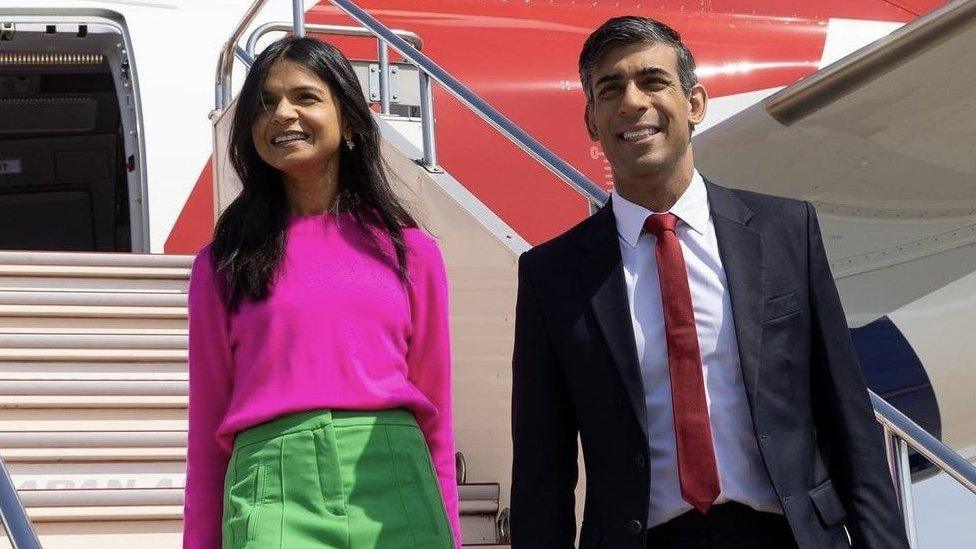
(741, 472)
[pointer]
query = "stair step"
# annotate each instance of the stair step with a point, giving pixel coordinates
(97, 259)
(93, 439)
(69, 324)
(107, 311)
(111, 387)
(30, 402)
(97, 498)
(471, 525)
(105, 420)
(92, 341)
(105, 513)
(88, 271)
(65, 355)
(113, 453)
(77, 298)
(169, 495)
(98, 476)
(116, 285)
(92, 370)
(93, 331)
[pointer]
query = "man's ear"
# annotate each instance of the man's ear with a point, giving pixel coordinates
(588, 120)
(697, 104)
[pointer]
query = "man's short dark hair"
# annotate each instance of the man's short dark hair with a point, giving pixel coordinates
(632, 29)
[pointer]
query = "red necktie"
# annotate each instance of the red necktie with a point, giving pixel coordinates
(697, 471)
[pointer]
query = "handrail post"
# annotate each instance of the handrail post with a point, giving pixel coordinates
(225, 64)
(907, 494)
(896, 450)
(298, 17)
(383, 55)
(891, 452)
(429, 160)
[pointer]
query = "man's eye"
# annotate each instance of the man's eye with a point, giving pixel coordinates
(607, 91)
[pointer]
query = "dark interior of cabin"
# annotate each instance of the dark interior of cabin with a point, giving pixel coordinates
(63, 183)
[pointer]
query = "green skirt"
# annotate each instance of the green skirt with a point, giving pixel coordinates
(334, 479)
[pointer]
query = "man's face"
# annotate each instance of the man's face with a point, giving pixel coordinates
(640, 114)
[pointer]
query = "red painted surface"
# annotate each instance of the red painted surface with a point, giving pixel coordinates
(194, 226)
(521, 57)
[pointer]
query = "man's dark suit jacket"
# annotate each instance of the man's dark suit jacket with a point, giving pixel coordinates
(576, 370)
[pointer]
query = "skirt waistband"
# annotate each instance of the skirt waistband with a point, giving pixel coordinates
(317, 419)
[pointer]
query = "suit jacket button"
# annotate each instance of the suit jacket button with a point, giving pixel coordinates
(636, 527)
(640, 461)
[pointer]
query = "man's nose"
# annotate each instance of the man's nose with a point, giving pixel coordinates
(633, 101)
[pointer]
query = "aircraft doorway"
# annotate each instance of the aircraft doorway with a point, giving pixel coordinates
(71, 170)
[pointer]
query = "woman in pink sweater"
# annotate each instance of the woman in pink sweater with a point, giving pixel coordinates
(320, 386)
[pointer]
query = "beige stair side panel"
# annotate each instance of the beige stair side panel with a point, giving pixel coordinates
(481, 254)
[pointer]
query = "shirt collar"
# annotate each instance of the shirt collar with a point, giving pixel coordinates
(691, 208)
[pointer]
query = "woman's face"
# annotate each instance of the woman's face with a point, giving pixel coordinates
(299, 130)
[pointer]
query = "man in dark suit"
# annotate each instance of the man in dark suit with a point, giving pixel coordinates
(692, 337)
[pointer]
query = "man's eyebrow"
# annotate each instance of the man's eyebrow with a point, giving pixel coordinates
(646, 71)
(653, 71)
(612, 77)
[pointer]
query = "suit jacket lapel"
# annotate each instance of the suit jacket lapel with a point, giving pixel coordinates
(740, 248)
(602, 272)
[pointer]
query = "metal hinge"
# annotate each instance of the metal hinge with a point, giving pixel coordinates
(374, 83)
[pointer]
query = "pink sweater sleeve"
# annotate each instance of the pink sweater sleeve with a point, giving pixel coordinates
(429, 363)
(211, 381)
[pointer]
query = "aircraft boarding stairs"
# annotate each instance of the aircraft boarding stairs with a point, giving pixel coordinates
(93, 396)
(93, 346)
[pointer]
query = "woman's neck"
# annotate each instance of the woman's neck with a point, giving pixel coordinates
(311, 192)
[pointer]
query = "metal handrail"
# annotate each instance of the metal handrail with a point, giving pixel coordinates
(15, 522)
(225, 63)
(933, 449)
(382, 53)
(901, 434)
(342, 30)
(431, 70)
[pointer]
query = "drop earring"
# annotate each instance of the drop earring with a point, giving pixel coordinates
(349, 144)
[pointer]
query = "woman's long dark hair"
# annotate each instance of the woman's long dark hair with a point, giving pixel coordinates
(249, 238)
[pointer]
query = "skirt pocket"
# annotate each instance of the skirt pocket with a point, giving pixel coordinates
(242, 501)
(419, 488)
